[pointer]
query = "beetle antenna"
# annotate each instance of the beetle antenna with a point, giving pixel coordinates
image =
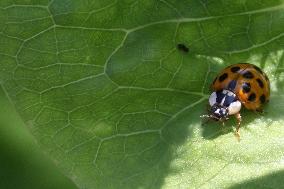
(205, 116)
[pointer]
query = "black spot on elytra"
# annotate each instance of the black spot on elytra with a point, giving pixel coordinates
(252, 97)
(235, 69)
(258, 69)
(223, 77)
(248, 75)
(246, 87)
(260, 83)
(262, 99)
(182, 47)
(232, 85)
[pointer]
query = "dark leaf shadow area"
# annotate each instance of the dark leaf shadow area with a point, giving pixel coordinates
(22, 162)
(269, 181)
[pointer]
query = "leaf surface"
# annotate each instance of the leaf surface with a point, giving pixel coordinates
(106, 93)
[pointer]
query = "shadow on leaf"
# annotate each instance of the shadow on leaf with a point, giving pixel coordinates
(273, 180)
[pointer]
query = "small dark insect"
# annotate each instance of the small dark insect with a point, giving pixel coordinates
(183, 48)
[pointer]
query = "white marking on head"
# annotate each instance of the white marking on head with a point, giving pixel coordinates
(217, 111)
(212, 98)
(234, 107)
(229, 93)
(223, 100)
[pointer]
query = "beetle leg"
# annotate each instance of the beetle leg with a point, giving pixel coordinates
(259, 110)
(223, 127)
(239, 119)
(205, 119)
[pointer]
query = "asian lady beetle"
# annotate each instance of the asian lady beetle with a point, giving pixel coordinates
(239, 84)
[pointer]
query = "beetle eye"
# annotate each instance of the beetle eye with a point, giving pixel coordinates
(214, 108)
(224, 112)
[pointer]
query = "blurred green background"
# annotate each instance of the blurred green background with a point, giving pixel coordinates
(22, 163)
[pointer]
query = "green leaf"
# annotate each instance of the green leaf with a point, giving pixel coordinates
(104, 90)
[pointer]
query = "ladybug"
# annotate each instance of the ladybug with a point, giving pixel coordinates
(238, 85)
